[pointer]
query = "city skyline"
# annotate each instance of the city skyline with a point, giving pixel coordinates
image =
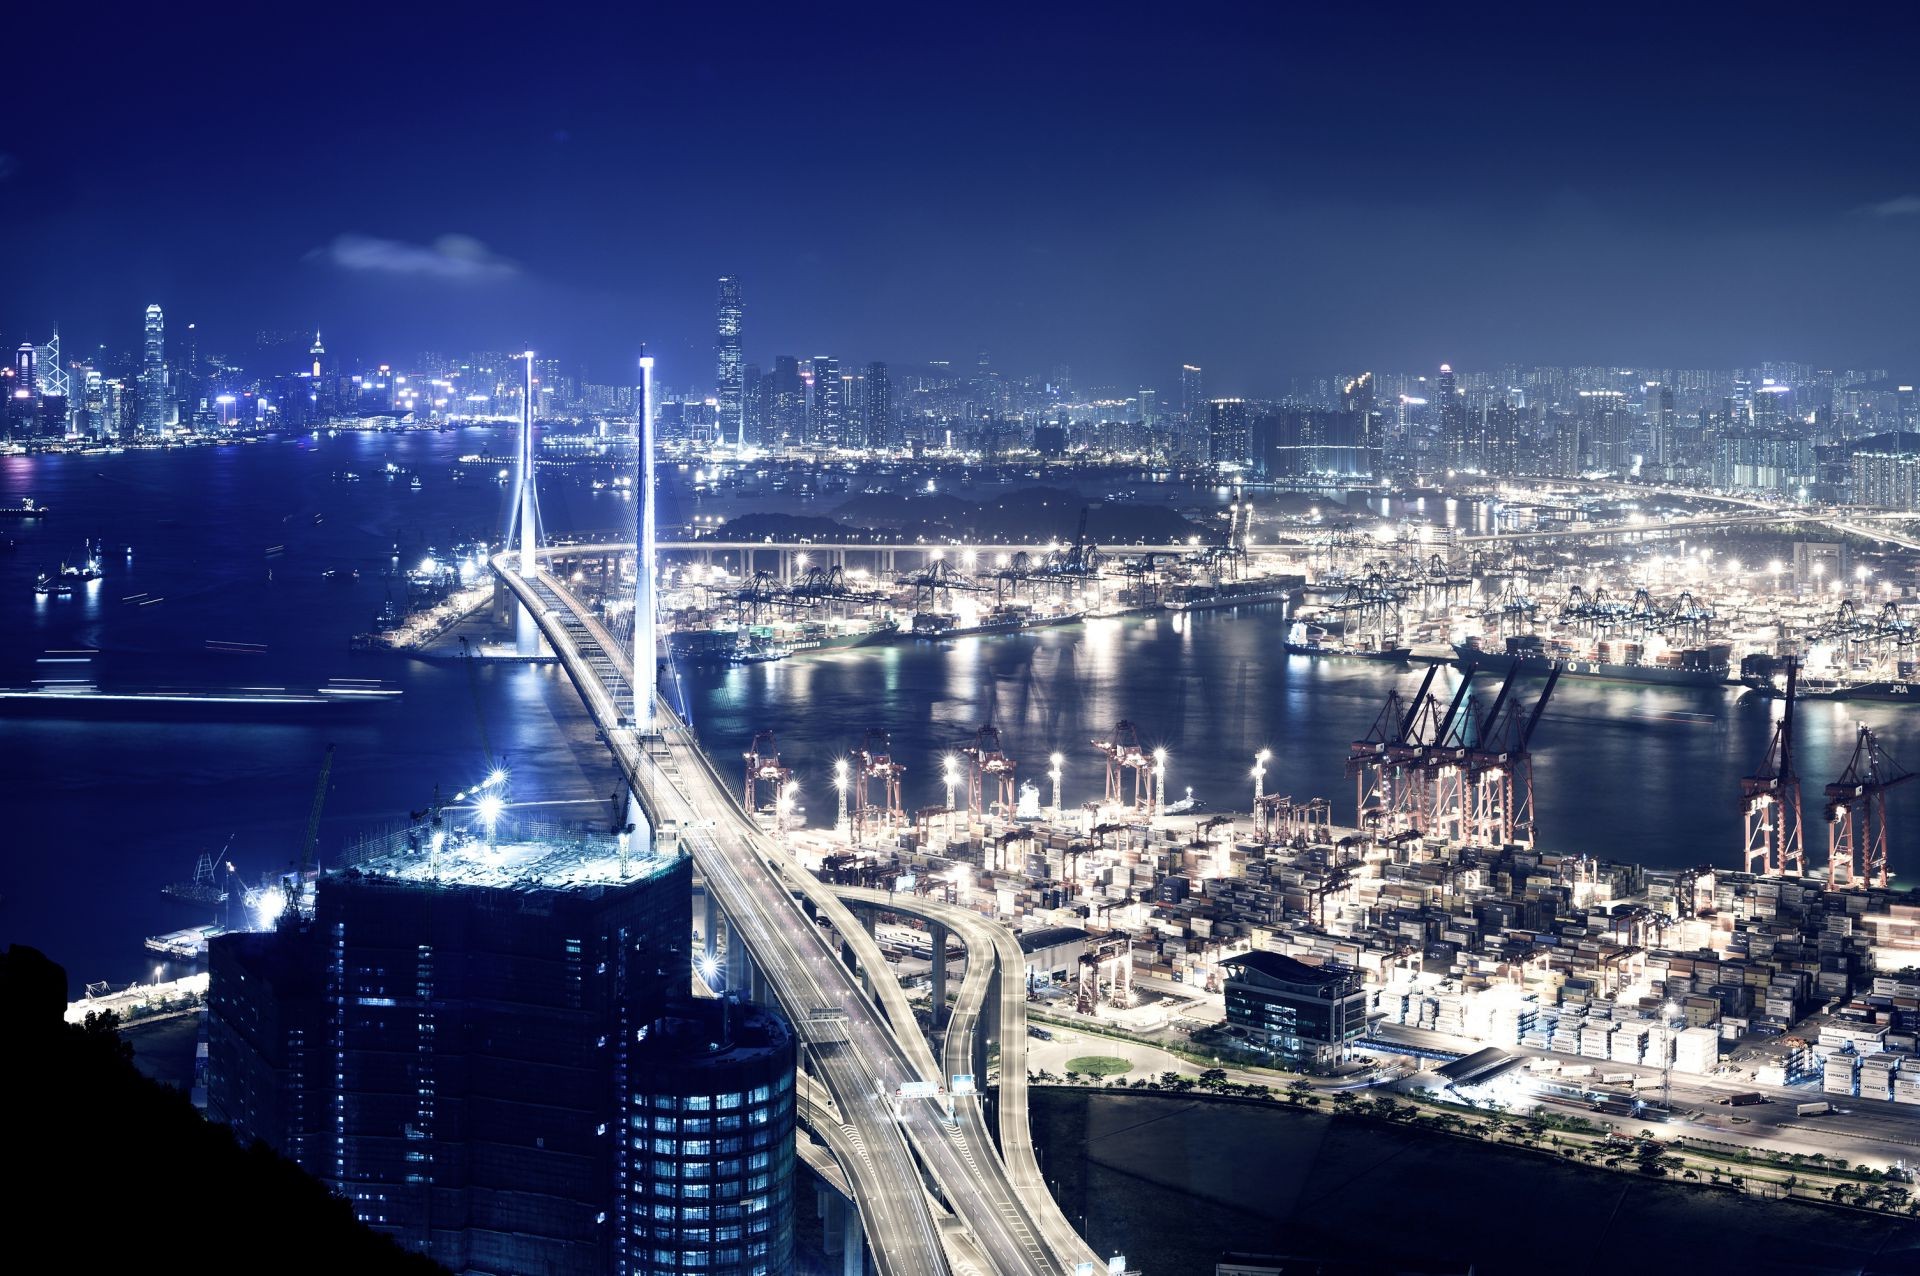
(1267, 192)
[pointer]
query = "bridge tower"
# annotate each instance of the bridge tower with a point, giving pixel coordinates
(646, 652)
(526, 633)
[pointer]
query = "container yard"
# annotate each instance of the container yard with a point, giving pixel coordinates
(1785, 965)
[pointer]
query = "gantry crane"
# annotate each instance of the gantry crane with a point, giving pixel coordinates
(1857, 815)
(1770, 800)
(764, 772)
(1124, 754)
(989, 774)
(874, 765)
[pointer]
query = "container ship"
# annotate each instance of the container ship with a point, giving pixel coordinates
(1615, 659)
(1894, 682)
(1305, 639)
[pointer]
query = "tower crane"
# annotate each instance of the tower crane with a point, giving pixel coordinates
(298, 885)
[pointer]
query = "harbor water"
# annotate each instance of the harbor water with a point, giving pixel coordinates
(234, 544)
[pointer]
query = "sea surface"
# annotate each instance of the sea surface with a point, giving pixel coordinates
(100, 813)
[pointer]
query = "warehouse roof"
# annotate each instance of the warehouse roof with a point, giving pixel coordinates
(1048, 936)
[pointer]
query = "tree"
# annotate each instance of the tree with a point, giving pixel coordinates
(1298, 1090)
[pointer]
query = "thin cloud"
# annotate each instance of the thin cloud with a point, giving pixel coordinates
(454, 257)
(1898, 206)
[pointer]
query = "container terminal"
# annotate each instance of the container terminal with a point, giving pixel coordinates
(1429, 909)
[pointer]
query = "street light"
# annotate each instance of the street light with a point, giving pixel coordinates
(1058, 760)
(1159, 796)
(783, 808)
(1260, 760)
(840, 787)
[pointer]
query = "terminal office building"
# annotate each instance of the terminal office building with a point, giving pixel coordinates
(1308, 1014)
(486, 1052)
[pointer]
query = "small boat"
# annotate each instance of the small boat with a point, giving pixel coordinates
(1184, 806)
(416, 483)
(27, 508)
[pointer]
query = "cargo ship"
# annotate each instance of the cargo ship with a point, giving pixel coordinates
(1616, 660)
(1305, 639)
(940, 624)
(1898, 682)
(1237, 593)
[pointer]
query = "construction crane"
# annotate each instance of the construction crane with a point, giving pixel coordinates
(1857, 815)
(297, 887)
(1770, 800)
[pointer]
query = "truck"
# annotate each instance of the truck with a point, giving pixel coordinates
(1812, 1109)
(1578, 1070)
(1617, 1078)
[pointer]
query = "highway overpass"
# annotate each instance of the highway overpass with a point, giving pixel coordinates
(909, 1157)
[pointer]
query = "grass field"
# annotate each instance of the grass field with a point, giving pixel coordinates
(1098, 1065)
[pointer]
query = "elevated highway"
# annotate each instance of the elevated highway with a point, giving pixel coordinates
(775, 909)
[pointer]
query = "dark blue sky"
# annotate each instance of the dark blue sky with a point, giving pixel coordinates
(1263, 189)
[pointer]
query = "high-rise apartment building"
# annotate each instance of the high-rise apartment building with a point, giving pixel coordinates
(154, 408)
(787, 397)
(729, 367)
(1228, 422)
(454, 1043)
(711, 1124)
(827, 416)
(1193, 403)
(878, 406)
(1450, 409)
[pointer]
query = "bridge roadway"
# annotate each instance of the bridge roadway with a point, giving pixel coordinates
(756, 885)
(996, 968)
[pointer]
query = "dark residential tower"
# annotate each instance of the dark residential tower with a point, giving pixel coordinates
(450, 1043)
(879, 406)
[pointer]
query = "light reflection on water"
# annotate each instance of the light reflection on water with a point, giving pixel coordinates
(1641, 773)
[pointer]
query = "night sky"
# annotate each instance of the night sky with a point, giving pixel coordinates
(1263, 189)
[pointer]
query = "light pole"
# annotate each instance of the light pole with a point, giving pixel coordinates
(950, 772)
(1666, 1059)
(840, 787)
(1260, 779)
(783, 809)
(1057, 760)
(1159, 796)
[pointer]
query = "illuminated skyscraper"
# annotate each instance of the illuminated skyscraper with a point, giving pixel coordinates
(829, 408)
(728, 364)
(1227, 431)
(1191, 401)
(153, 375)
